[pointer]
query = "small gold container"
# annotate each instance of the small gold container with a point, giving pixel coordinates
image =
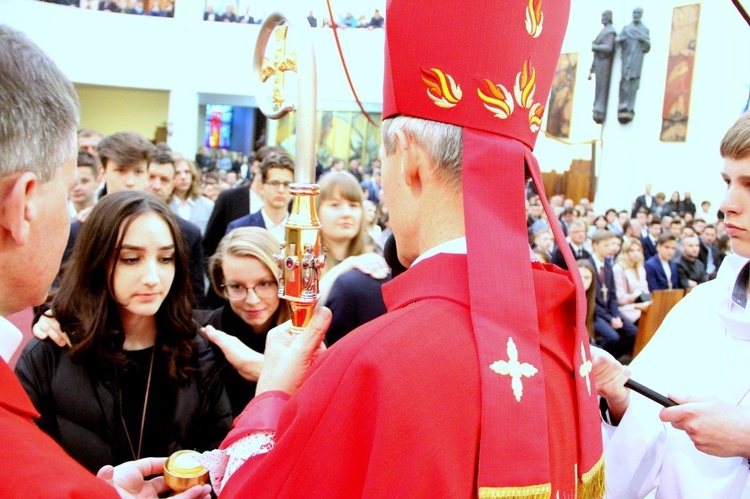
(181, 471)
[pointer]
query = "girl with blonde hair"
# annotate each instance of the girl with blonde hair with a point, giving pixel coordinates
(244, 271)
(633, 295)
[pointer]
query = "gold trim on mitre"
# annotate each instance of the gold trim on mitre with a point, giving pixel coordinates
(530, 492)
(593, 485)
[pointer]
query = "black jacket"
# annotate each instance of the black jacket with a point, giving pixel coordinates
(690, 270)
(715, 257)
(230, 205)
(240, 391)
(559, 260)
(81, 409)
(355, 298)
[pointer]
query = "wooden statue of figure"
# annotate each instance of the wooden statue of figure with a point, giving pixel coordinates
(635, 41)
(603, 48)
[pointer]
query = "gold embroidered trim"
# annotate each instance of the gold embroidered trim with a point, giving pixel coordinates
(530, 492)
(593, 484)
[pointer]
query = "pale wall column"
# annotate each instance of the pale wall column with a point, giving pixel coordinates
(183, 121)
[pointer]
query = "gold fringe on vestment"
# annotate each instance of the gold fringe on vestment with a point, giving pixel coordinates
(530, 492)
(593, 485)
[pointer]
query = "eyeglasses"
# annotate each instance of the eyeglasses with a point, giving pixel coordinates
(278, 183)
(264, 289)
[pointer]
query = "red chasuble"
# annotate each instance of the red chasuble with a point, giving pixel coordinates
(488, 67)
(393, 409)
(31, 463)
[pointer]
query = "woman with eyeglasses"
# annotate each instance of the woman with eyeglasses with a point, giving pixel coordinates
(244, 271)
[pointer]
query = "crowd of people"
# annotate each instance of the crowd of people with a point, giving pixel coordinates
(156, 8)
(229, 15)
(656, 245)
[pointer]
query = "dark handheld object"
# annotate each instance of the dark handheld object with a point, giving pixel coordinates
(650, 394)
(390, 253)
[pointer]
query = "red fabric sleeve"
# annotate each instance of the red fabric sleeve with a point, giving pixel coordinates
(379, 415)
(261, 414)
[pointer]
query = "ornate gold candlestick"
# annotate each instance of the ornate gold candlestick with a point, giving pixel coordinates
(302, 257)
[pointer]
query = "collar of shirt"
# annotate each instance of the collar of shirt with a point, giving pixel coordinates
(177, 202)
(10, 338)
(269, 223)
(454, 246)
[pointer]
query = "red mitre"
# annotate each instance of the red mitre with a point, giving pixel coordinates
(488, 67)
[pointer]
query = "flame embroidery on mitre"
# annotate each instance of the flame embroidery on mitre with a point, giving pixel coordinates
(534, 18)
(525, 86)
(499, 101)
(535, 117)
(441, 88)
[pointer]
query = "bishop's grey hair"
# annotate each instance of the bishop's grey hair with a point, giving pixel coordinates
(38, 109)
(443, 143)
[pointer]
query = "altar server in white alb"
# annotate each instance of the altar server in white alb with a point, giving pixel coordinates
(700, 358)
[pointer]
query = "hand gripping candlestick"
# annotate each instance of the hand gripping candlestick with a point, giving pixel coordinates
(302, 257)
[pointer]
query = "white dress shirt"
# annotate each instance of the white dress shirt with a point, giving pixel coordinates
(10, 338)
(278, 230)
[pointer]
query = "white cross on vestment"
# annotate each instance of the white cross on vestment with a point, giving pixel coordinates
(585, 368)
(516, 370)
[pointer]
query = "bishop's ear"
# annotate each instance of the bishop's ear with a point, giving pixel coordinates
(17, 207)
(412, 159)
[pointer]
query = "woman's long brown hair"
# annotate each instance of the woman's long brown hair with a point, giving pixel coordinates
(85, 303)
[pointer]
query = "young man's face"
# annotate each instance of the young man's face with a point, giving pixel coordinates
(119, 177)
(736, 204)
(276, 194)
(691, 247)
(85, 189)
(604, 248)
(666, 250)
(183, 177)
(709, 235)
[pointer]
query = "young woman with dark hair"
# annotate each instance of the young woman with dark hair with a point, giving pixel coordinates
(137, 380)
